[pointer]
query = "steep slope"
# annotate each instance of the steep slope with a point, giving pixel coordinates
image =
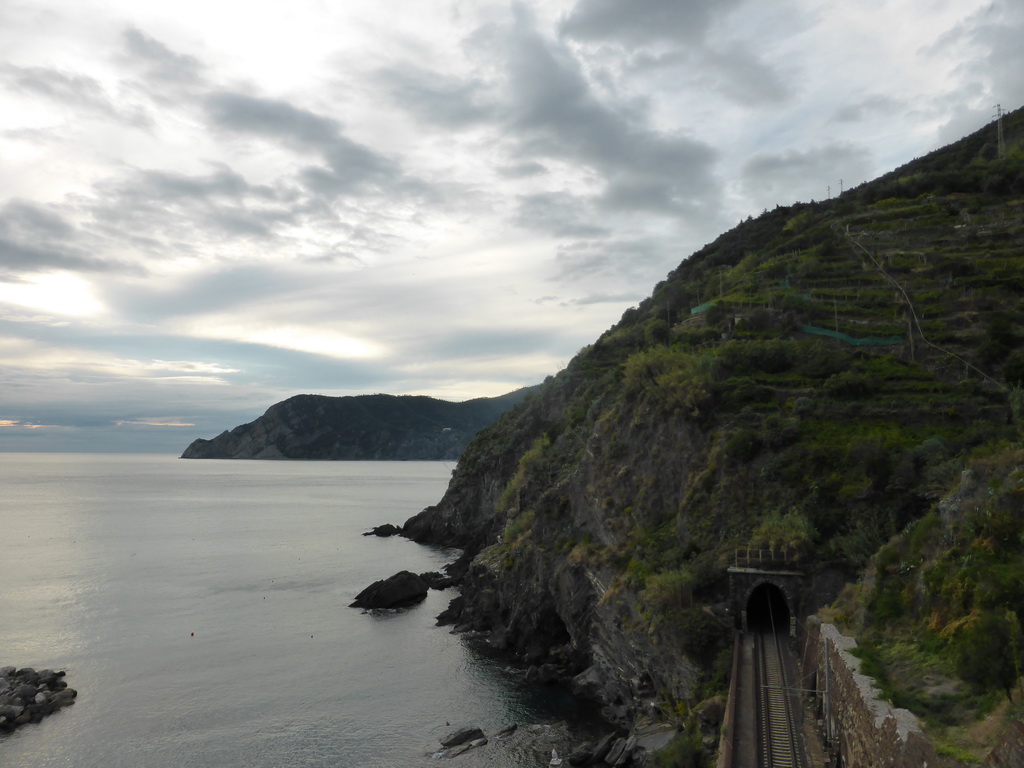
(814, 380)
(381, 427)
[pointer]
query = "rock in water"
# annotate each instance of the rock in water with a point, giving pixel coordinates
(437, 580)
(403, 589)
(27, 696)
(461, 736)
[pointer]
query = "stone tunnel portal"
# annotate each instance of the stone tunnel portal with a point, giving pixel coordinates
(767, 609)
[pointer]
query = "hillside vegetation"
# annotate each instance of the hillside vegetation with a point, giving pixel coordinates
(815, 380)
(377, 427)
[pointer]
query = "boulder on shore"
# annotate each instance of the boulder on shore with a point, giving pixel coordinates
(399, 591)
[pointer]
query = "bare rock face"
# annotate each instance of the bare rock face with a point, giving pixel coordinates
(399, 591)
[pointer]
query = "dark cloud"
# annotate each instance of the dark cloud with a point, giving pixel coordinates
(350, 167)
(78, 92)
(989, 75)
(864, 109)
(274, 119)
(436, 98)
(673, 36)
(161, 62)
(614, 259)
(156, 208)
(738, 73)
(997, 31)
(495, 342)
(35, 238)
(560, 214)
(642, 22)
(589, 300)
(782, 177)
(523, 170)
(219, 291)
(165, 184)
(604, 298)
(552, 109)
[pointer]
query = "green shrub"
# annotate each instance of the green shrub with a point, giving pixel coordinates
(684, 751)
(988, 651)
(669, 589)
(847, 386)
(703, 636)
(743, 445)
(672, 379)
(792, 531)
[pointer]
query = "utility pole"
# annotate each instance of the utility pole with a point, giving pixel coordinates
(1000, 144)
(829, 188)
(840, 186)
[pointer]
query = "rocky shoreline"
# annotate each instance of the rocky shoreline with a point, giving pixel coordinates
(616, 747)
(545, 743)
(27, 695)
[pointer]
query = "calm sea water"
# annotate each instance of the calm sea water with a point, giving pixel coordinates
(110, 563)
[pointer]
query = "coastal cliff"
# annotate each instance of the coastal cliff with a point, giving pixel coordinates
(377, 427)
(857, 354)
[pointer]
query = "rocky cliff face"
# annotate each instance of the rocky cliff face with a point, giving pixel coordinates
(537, 508)
(379, 427)
(818, 405)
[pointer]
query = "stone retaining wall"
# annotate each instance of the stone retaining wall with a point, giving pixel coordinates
(866, 731)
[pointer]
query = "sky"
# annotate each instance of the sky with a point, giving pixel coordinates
(207, 207)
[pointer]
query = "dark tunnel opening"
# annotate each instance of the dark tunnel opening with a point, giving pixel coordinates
(767, 609)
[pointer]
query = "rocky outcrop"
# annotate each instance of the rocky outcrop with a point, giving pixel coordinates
(27, 695)
(376, 427)
(461, 736)
(542, 598)
(544, 743)
(399, 591)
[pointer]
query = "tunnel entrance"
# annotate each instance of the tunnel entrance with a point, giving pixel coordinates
(767, 609)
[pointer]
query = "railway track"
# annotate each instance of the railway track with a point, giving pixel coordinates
(776, 722)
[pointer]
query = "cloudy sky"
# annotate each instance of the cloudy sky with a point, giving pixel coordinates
(208, 206)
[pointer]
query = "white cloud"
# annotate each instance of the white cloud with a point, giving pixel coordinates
(155, 421)
(203, 211)
(57, 293)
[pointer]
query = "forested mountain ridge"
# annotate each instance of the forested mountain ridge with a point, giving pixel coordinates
(380, 427)
(816, 379)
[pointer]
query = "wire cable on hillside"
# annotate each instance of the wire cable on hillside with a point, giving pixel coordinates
(913, 312)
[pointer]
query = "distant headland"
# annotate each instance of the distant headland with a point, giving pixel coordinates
(360, 427)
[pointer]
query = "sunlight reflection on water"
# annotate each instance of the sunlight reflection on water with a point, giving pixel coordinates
(112, 563)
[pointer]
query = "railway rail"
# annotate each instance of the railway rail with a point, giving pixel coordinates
(765, 723)
(776, 723)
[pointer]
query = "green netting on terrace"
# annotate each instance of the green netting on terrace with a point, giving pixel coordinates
(867, 341)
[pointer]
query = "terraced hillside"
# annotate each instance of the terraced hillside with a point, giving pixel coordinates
(817, 379)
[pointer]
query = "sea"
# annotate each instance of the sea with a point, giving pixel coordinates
(200, 608)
